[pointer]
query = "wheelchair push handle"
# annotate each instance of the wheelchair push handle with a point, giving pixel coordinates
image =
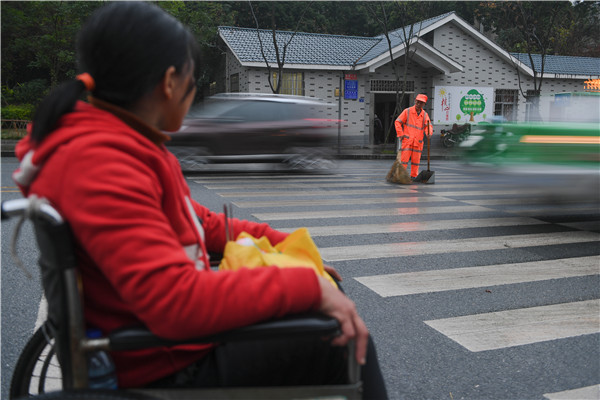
(29, 207)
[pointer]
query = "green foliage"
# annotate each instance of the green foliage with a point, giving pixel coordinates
(20, 112)
(31, 92)
(38, 37)
(544, 27)
(8, 95)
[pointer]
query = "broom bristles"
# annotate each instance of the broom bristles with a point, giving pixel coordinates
(398, 174)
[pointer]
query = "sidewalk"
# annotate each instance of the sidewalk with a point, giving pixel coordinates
(388, 152)
(355, 152)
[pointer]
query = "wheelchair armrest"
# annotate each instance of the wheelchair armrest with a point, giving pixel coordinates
(295, 325)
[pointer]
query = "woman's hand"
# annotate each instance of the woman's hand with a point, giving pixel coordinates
(333, 272)
(337, 305)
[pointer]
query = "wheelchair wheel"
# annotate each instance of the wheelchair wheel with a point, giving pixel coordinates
(37, 370)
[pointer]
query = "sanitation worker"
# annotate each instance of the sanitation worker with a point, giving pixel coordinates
(411, 127)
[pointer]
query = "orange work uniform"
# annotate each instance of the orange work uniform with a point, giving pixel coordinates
(410, 129)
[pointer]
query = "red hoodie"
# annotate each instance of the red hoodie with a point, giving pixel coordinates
(141, 250)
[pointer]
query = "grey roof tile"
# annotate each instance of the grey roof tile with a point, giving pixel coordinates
(322, 49)
(304, 48)
(564, 65)
(397, 37)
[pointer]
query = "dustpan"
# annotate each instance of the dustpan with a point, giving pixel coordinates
(428, 176)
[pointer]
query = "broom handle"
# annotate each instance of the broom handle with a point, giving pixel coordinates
(427, 152)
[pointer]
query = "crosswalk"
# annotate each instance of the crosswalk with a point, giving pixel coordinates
(355, 216)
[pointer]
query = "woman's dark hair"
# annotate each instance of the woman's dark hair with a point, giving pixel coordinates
(126, 47)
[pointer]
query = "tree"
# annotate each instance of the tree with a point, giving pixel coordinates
(583, 28)
(409, 16)
(530, 28)
(280, 48)
(203, 18)
(38, 42)
(578, 23)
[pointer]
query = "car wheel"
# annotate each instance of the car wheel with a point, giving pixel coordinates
(191, 158)
(307, 159)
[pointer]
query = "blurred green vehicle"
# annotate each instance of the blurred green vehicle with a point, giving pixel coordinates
(557, 153)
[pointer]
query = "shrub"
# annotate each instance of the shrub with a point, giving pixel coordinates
(22, 112)
(31, 92)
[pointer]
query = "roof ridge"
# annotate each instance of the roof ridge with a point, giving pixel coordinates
(299, 33)
(552, 55)
(439, 17)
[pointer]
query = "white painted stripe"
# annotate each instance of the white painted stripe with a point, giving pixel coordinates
(584, 393)
(408, 283)
(42, 314)
(468, 184)
(478, 192)
(315, 193)
(316, 231)
(377, 212)
(503, 329)
(262, 178)
(370, 251)
(519, 200)
(287, 185)
(418, 201)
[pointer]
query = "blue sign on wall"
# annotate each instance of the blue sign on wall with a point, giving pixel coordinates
(351, 89)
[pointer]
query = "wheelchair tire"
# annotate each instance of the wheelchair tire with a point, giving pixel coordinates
(88, 394)
(37, 370)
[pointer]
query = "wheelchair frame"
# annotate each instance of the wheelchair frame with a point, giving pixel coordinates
(62, 289)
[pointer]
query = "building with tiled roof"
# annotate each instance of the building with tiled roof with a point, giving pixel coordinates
(450, 62)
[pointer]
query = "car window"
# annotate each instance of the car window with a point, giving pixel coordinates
(214, 109)
(228, 111)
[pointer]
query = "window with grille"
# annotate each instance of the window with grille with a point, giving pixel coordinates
(234, 83)
(506, 103)
(380, 85)
(291, 83)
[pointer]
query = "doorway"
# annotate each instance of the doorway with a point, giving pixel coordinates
(384, 110)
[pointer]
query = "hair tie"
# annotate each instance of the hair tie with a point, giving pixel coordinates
(87, 80)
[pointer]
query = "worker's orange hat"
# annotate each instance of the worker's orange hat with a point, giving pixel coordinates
(422, 97)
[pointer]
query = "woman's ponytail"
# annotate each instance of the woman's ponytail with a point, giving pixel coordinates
(60, 101)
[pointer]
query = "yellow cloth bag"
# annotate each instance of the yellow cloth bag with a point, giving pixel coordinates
(297, 250)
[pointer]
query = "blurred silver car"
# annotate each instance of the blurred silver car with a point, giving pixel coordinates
(244, 127)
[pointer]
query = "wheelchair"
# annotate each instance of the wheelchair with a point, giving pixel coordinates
(53, 364)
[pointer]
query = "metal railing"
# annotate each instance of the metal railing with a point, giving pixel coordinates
(13, 128)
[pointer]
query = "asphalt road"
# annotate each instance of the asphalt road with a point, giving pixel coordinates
(471, 288)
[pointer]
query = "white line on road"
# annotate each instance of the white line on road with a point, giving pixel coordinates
(371, 251)
(519, 200)
(584, 393)
(417, 226)
(477, 192)
(313, 193)
(409, 283)
(417, 201)
(503, 329)
(294, 185)
(376, 212)
(260, 178)
(42, 314)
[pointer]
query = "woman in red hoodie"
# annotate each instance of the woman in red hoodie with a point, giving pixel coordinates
(142, 243)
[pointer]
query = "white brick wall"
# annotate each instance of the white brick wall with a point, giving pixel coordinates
(482, 67)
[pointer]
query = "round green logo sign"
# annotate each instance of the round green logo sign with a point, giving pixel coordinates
(472, 103)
